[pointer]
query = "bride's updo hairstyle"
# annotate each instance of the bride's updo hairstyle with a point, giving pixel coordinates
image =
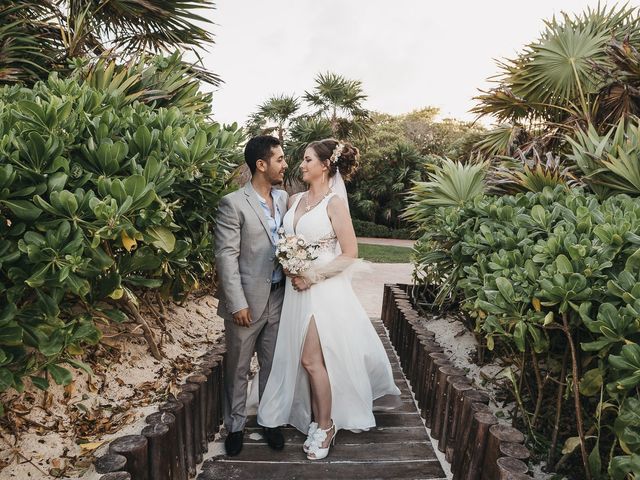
(346, 160)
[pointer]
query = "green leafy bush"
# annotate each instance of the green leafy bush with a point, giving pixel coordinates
(100, 199)
(552, 281)
(370, 229)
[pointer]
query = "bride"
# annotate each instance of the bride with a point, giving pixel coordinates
(329, 364)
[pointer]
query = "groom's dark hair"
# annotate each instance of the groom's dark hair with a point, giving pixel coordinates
(259, 148)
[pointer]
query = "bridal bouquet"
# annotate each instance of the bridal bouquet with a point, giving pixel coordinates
(295, 253)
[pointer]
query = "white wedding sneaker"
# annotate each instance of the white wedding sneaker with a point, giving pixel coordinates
(307, 443)
(316, 452)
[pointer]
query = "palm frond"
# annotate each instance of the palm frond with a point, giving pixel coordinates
(609, 162)
(560, 73)
(620, 97)
(501, 140)
(39, 37)
(530, 171)
(450, 184)
(25, 49)
(502, 104)
(340, 100)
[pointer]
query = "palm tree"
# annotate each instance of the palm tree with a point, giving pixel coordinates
(304, 130)
(37, 37)
(559, 77)
(581, 75)
(336, 110)
(340, 101)
(280, 110)
(24, 50)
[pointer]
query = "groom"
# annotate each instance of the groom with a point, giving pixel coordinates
(251, 282)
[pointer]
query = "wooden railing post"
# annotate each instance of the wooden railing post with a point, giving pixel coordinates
(441, 360)
(135, 449)
(203, 391)
(440, 398)
(498, 435)
(455, 388)
(177, 410)
(159, 462)
(509, 468)
(172, 447)
(471, 468)
(109, 463)
(186, 398)
(116, 476)
(473, 401)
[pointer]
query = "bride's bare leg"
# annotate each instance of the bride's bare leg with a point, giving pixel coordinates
(314, 407)
(313, 363)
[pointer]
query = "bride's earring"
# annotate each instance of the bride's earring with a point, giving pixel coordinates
(324, 175)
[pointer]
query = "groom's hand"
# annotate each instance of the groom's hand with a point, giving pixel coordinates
(242, 317)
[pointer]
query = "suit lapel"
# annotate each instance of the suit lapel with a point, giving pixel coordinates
(252, 198)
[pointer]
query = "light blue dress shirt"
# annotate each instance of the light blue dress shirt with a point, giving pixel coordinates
(274, 222)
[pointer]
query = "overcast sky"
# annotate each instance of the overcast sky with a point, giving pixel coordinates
(408, 53)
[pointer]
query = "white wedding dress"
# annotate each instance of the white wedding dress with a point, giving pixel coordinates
(356, 361)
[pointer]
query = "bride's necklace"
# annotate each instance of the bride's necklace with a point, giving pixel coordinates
(308, 207)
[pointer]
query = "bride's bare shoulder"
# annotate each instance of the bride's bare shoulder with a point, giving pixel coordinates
(337, 206)
(337, 201)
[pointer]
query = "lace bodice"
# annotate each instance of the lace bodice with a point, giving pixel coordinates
(314, 226)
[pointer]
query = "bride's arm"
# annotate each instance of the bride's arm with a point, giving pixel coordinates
(342, 225)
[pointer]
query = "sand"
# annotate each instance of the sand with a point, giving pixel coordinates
(57, 435)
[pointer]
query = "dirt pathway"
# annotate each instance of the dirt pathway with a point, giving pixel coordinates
(369, 285)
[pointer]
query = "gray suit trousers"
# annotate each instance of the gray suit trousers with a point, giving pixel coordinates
(242, 342)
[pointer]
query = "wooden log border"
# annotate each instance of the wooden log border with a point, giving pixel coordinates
(438, 387)
(477, 447)
(177, 435)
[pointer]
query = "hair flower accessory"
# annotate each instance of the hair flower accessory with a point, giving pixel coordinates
(336, 152)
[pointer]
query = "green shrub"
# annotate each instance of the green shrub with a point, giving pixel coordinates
(370, 229)
(100, 198)
(552, 281)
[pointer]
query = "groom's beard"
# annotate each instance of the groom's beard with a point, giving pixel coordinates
(277, 181)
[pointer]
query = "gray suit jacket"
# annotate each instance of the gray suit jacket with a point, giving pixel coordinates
(244, 250)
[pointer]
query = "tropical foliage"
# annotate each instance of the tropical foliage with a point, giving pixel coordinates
(570, 93)
(364, 228)
(103, 201)
(537, 239)
(38, 37)
(580, 68)
(400, 151)
(609, 162)
(339, 101)
(551, 282)
(333, 108)
(279, 112)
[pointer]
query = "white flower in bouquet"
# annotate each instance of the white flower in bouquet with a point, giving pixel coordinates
(294, 253)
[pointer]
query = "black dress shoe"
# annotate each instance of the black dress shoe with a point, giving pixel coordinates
(233, 443)
(274, 437)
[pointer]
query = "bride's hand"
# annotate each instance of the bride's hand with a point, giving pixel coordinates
(300, 283)
(287, 272)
